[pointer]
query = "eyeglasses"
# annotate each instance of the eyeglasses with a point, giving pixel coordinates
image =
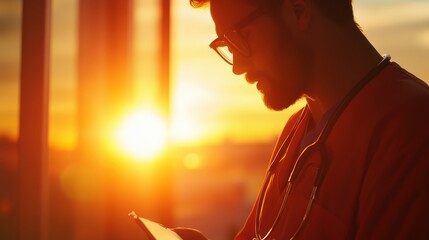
(232, 41)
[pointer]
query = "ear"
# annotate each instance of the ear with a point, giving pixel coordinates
(302, 12)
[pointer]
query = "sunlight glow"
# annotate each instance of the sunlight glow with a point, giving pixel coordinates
(143, 135)
(192, 161)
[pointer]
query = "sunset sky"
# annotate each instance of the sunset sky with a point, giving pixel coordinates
(209, 103)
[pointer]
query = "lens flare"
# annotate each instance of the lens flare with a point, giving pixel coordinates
(143, 134)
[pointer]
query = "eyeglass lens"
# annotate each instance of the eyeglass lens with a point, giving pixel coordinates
(226, 53)
(231, 43)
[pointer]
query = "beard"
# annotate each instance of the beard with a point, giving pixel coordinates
(282, 89)
(288, 78)
(280, 97)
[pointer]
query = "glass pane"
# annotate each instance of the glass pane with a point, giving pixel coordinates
(62, 118)
(10, 22)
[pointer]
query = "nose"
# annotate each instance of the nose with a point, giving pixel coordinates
(240, 64)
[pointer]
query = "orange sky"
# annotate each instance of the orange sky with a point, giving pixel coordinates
(209, 102)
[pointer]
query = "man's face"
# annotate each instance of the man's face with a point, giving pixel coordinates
(277, 59)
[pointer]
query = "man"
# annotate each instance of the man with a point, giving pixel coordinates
(354, 163)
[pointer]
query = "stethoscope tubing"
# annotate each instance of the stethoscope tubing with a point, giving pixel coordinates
(317, 144)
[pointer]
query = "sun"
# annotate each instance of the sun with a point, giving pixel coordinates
(142, 134)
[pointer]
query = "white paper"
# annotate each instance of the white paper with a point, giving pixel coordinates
(160, 232)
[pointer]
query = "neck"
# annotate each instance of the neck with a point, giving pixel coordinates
(343, 57)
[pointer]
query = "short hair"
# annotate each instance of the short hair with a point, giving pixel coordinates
(340, 11)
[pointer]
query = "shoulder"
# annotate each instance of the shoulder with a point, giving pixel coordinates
(393, 94)
(403, 100)
(396, 83)
(395, 184)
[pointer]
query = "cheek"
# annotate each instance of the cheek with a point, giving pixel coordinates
(279, 55)
(265, 58)
(293, 59)
(273, 50)
(289, 71)
(263, 41)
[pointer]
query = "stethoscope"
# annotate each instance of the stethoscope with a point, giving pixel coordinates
(316, 146)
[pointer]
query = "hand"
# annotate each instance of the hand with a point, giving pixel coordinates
(189, 234)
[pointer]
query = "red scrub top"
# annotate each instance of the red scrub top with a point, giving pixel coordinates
(377, 181)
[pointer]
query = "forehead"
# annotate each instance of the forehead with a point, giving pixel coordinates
(226, 13)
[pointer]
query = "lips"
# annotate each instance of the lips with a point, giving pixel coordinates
(259, 86)
(253, 77)
(250, 78)
(257, 78)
